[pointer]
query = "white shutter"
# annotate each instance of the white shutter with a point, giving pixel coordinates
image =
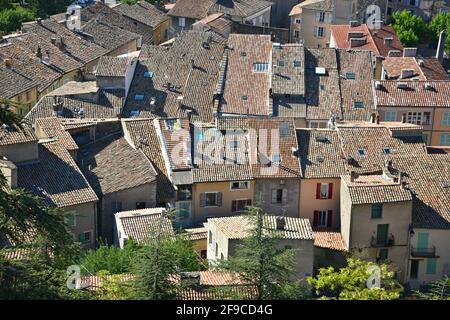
(317, 16)
(316, 31)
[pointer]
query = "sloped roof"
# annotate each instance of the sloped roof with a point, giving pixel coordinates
(143, 12)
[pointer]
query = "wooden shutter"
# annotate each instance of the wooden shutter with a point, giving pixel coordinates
(330, 218)
(318, 191)
(274, 195)
(316, 31)
(317, 16)
(202, 199)
(382, 233)
(219, 199)
(330, 191)
(316, 218)
(285, 196)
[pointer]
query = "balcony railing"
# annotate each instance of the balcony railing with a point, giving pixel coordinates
(423, 252)
(389, 242)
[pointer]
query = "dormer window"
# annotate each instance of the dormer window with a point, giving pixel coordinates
(387, 150)
(362, 152)
(260, 67)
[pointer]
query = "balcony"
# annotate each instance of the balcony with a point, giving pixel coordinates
(423, 252)
(377, 243)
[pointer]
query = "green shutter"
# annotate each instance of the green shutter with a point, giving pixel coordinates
(377, 209)
(81, 237)
(382, 233)
(383, 254)
(422, 240)
(431, 266)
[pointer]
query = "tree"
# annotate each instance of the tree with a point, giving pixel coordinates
(410, 28)
(439, 290)
(114, 287)
(350, 283)
(110, 258)
(260, 263)
(45, 8)
(12, 19)
(441, 22)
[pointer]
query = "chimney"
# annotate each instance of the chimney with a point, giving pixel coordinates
(353, 176)
(62, 45)
(8, 63)
(409, 52)
(354, 23)
(404, 118)
(280, 222)
(357, 42)
(39, 52)
(377, 119)
(372, 117)
(407, 73)
(441, 46)
(9, 171)
(53, 41)
(39, 21)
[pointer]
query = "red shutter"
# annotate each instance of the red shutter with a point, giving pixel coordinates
(316, 218)
(330, 218)
(318, 191)
(330, 191)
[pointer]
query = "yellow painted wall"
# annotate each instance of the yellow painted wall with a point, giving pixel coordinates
(161, 31)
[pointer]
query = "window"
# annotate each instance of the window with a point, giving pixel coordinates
(445, 139)
(382, 233)
(239, 185)
(324, 191)
(426, 118)
(235, 144)
(116, 206)
(320, 32)
(284, 129)
(322, 218)
(296, 34)
(280, 63)
(431, 266)
(276, 158)
(140, 205)
(70, 219)
(260, 67)
(298, 21)
(297, 64)
(279, 196)
(358, 104)
(28, 94)
(322, 17)
(387, 151)
(377, 211)
(211, 199)
(148, 74)
(217, 249)
(134, 113)
(390, 116)
(350, 76)
(361, 152)
(414, 117)
(240, 205)
(244, 98)
(182, 22)
(314, 125)
(446, 118)
(383, 254)
(139, 97)
(84, 237)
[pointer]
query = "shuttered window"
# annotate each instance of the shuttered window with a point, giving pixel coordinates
(240, 205)
(382, 233)
(211, 199)
(431, 266)
(279, 196)
(377, 211)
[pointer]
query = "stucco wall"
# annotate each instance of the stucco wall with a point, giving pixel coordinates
(85, 221)
(20, 152)
(227, 196)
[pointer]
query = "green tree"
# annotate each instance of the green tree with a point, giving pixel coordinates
(114, 287)
(12, 19)
(110, 258)
(410, 29)
(350, 282)
(260, 263)
(441, 22)
(45, 8)
(439, 290)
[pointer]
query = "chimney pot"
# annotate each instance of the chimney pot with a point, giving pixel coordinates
(8, 63)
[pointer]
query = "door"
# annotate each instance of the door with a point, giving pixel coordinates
(414, 269)
(382, 233)
(422, 240)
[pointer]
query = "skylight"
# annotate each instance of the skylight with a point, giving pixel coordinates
(134, 113)
(260, 67)
(362, 152)
(148, 74)
(358, 104)
(139, 97)
(276, 158)
(350, 76)
(245, 98)
(387, 150)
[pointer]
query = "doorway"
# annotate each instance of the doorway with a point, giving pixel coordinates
(414, 269)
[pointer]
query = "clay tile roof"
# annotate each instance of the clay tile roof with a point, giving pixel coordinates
(322, 91)
(197, 233)
(53, 128)
(174, 132)
(13, 82)
(194, 9)
(340, 35)
(287, 78)
(374, 189)
(214, 293)
(329, 239)
(143, 225)
(247, 91)
(415, 94)
(237, 227)
(379, 36)
(144, 137)
(112, 66)
(12, 135)
(433, 69)
(143, 12)
(393, 67)
(356, 91)
(112, 165)
(56, 177)
(319, 152)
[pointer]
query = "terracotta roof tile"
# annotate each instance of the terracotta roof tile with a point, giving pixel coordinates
(12, 135)
(143, 12)
(53, 128)
(329, 239)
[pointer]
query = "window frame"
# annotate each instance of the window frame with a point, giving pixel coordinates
(239, 185)
(392, 116)
(206, 199)
(322, 185)
(376, 205)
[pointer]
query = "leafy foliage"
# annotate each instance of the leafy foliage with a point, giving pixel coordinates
(11, 19)
(349, 283)
(260, 262)
(439, 290)
(441, 22)
(410, 29)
